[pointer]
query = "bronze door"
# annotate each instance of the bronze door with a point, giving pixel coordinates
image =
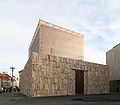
(79, 81)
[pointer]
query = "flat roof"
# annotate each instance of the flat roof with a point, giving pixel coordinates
(116, 45)
(60, 28)
(113, 47)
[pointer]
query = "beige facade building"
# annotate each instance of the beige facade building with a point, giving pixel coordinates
(46, 75)
(113, 60)
(5, 80)
(55, 40)
(56, 67)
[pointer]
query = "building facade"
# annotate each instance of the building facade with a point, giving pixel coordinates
(5, 80)
(56, 67)
(55, 40)
(46, 75)
(113, 60)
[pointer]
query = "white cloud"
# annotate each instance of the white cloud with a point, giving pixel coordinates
(98, 20)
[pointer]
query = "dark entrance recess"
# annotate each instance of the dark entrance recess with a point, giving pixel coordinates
(79, 81)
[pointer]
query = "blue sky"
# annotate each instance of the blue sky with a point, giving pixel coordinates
(98, 20)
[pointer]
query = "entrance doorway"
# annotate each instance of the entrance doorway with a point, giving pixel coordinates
(79, 81)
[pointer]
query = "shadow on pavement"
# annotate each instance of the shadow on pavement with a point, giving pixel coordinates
(99, 98)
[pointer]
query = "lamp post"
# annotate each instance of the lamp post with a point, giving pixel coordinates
(12, 68)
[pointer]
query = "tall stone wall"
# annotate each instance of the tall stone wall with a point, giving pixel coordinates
(54, 40)
(58, 42)
(53, 75)
(26, 78)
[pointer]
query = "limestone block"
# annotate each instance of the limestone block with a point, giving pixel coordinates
(49, 75)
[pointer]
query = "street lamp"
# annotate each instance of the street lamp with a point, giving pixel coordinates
(12, 68)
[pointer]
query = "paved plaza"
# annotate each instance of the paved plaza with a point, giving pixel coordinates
(20, 99)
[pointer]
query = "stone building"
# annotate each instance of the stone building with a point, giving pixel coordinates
(46, 75)
(56, 67)
(113, 60)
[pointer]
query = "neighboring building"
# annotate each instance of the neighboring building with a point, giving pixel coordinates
(113, 61)
(5, 80)
(16, 82)
(55, 65)
(54, 40)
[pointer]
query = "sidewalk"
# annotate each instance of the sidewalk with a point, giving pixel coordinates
(10, 98)
(20, 99)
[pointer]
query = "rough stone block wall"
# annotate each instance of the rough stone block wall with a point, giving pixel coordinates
(26, 78)
(98, 79)
(53, 75)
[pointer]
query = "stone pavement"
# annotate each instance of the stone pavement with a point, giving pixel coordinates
(20, 99)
